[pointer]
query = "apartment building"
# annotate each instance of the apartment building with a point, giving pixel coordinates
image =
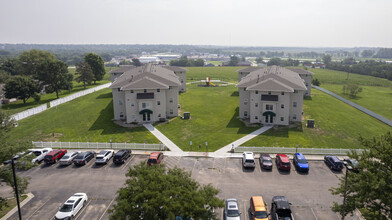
(271, 95)
(146, 94)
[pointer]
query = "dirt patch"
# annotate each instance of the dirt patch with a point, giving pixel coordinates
(52, 137)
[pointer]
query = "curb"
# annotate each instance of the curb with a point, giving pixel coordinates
(30, 196)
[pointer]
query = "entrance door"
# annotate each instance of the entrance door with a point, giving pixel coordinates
(148, 117)
(271, 119)
(144, 117)
(266, 119)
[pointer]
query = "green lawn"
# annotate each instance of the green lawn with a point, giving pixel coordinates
(88, 118)
(338, 125)
(18, 106)
(11, 203)
(216, 63)
(228, 74)
(214, 120)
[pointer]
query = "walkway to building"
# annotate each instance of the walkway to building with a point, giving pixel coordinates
(161, 137)
(365, 110)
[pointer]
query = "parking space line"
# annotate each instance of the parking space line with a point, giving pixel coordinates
(178, 161)
(313, 212)
(213, 163)
(126, 165)
(222, 214)
(194, 165)
(39, 208)
(107, 164)
(84, 208)
(246, 217)
(106, 209)
(92, 163)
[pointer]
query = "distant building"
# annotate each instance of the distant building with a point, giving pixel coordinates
(149, 59)
(316, 65)
(272, 95)
(241, 63)
(146, 94)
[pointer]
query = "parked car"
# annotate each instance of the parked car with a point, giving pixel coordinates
(258, 209)
(68, 158)
(333, 162)
(232, 210)
(72, 207)
(265, 161)
(121, 156)
(280, 208)
(84, 158)
(155, 158)
(352, 164)
(282, 162)
(40, 154)
(300, 162)
(104, 156)
(248, 160)
(54, 156)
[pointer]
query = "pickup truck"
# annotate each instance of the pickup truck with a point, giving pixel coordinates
(40, 153)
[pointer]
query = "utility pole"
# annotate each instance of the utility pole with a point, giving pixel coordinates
(345, 194)
(16, 188)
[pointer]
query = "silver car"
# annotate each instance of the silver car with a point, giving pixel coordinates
(232, 210)
(68, 158)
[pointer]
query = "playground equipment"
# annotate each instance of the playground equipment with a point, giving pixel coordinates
(208, 82)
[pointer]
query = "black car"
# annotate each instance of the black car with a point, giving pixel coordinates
(280, 208)
(84, 158)
(265, 161)
(352, 164)
(333, 163)
(121, 156)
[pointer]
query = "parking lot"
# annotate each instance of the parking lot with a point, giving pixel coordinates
(308, 193)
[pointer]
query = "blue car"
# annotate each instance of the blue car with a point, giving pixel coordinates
(300, 163)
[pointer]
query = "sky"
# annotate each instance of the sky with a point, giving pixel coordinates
(292, 23)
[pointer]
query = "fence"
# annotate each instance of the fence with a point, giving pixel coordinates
(288, 150)
(29, 112)
(91, 145)
(77, 95)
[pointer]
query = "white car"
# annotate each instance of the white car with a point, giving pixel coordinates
(248, 160)
(40, 153)
(71, 207)
(232, 210)
(104, 156)
(69, 157)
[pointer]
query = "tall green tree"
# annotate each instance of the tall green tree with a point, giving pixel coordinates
(274, 61)
(21, 87)
(371, 187)
(55, 76)
(152, 192)
(97, 65)
(136, 62)
(30, 62)
(327, 59)
(10, 66)
(234, 60)
(85, 73)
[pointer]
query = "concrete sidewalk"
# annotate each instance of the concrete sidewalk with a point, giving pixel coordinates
(222, 151)
(161, 137)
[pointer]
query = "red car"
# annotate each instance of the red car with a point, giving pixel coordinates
(54, 156)
(155, 158)
(282, 162)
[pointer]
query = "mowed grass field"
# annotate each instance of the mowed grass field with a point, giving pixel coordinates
(376, 93)
(85, 119)
(227, 74)
(213, 120)
(19, 106)
(338, 125)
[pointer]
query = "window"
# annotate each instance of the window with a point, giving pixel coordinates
(118, 89)
(171, 111)
(294, 104)
(159, 115)
(282, 106)
(245, 114)
(169, 87)
(158, 90)
(256, 104)
(132, 104)
(120, 102)
(269, 93)
(257, 92)
(269, 107)
(182, 80)
(281, 118)
(244, 89)
(145, 105)
(256, 117)
(307, 84)
(246, 102)
(121, 114)
(145, 91)
(282, 93)
(158, 102)
(171, 100)
(131, 91)
(295, 91)
(294, 117)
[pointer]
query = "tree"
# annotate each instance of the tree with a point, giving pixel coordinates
(21, 87)
(274, 61)
(259, 60)
(97, 65)
(152, 192)
(369, 188)
(136, 62)
(55, 76)
(30, 62)
(4, 76)
(367, 53)
(85, 73)
(352, 90)
(10, 66)
(316, 82)
(234, 60)
(327, 59)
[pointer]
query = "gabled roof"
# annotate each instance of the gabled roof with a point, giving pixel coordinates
(122, 69)
(145, 83)
(301, 71)
(249, 69)
(272, 85)
(174, 68)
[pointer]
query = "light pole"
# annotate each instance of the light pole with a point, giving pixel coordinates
(348, 168)
(16, 187)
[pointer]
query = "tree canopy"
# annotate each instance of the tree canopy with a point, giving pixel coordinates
(153, 192)
(85, 73)
(55, 76)
(370, 188)
(327, 59)
(30, 62)
(184, 61)
(97, 65)
(21, 87)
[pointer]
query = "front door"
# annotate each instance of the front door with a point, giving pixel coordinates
(146, 117)
(269, 119)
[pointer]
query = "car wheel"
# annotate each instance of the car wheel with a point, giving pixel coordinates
(84, 203)
(71, 218)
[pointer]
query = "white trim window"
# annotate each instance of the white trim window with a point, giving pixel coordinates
(269, 107)
(295, 104)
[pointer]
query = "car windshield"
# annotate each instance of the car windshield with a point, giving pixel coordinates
(99, 158)
(79, 157)
(48, 157)
(66, 208)
(302, 161)
(267, 161)
(249, 161)
(233, 213)
(37, 153)
(261, 214)
(65, 157)
(286, 164)
(152, 160)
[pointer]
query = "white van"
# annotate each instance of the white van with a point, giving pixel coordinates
(40, 154)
